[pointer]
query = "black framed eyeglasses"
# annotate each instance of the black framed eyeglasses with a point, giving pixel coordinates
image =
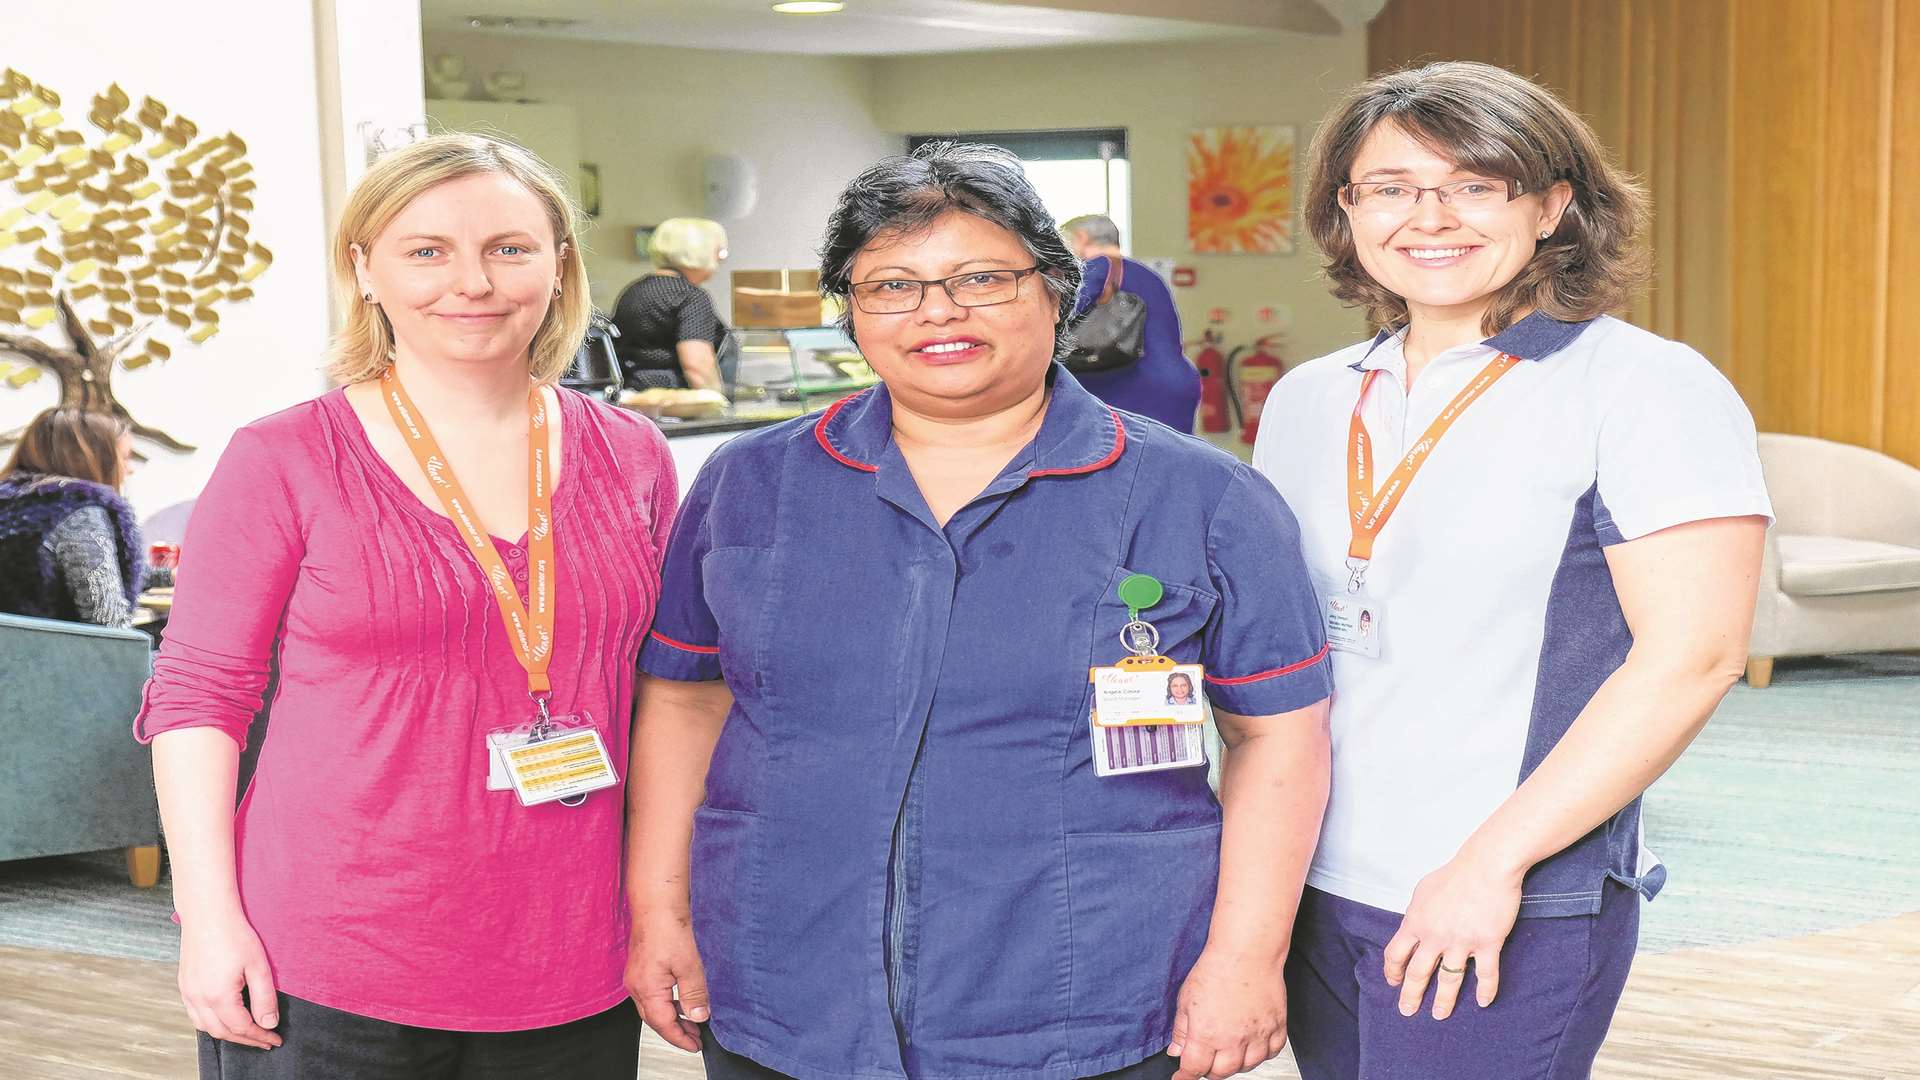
(975, 288)
(1388, 196)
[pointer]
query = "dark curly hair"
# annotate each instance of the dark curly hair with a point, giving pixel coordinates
(1490, 121)
(903, 195)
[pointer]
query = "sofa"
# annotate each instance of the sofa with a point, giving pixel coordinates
(72, 778)
(1842, 567)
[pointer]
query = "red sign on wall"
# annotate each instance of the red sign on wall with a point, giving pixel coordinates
(1184, 277)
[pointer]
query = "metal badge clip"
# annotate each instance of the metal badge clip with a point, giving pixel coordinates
(543, 727)
(1356, 574)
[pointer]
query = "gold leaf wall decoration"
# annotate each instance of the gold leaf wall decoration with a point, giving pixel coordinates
(121, 231)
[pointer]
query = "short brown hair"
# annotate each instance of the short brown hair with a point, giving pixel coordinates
(1489, 120)
(361, 347)
(67, 441)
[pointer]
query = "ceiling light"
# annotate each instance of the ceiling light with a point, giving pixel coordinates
(809, 7)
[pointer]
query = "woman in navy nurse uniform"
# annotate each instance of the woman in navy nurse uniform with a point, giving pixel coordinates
(903, 863)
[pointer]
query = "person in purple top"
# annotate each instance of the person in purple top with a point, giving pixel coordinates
(1163, 384)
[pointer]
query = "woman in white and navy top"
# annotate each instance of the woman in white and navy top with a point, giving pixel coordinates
(1553, 521)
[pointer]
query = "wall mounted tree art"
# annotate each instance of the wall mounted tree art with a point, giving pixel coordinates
(130, 235)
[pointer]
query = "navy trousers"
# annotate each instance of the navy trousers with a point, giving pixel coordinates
(1560, 980)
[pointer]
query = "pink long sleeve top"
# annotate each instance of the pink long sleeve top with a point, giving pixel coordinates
(381, 874)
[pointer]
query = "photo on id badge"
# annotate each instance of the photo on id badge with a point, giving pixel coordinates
(1147, 718)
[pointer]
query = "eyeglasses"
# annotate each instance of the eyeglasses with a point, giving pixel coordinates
(976, 288)
(1396, 196)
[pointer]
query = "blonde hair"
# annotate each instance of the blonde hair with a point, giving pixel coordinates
(687, 243)
(363, 347)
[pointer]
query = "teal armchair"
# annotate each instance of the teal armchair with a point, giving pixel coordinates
(72, 779)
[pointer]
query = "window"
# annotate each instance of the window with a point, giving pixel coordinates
(1076, 172)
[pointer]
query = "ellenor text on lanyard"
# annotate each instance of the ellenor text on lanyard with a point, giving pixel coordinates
(529, 625)
(1369, 509)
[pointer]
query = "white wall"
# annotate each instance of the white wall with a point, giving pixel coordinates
(253, 68)
(647, 116)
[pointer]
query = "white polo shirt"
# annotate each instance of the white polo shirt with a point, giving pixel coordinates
(1497, 617)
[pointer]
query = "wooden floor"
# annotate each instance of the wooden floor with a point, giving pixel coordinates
(1837, 1006)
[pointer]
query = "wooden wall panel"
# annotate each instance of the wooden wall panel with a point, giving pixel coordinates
(1902, 409)
(1696, 268)
(1555, 49)
(1776, 187)
(1850, 305)
(1780, 142)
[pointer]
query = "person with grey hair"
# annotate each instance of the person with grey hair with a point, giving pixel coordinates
(670, 334)
(877, 831)
(1163, 383)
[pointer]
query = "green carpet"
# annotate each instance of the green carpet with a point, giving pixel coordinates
(1797, 811)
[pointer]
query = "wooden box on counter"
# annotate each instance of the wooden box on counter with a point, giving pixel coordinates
(776, 299)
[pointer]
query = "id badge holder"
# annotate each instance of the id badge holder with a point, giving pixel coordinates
(1148, 711)
(549, 759)
(1354, 619)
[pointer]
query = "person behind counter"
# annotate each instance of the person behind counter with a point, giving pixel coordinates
(69, 546)
(1548, 617)
(670, 332)
(391, 898)
(865, 722)
(1163, 383)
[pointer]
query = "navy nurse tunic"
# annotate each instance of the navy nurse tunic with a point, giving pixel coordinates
(905, 864)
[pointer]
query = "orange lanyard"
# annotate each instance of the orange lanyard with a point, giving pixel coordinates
(529, 632)
(1368, 508)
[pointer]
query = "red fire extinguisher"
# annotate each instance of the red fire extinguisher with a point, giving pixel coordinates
(1251, 379)
(1215, 400)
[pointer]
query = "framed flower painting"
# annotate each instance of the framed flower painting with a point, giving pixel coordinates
(1240, 190)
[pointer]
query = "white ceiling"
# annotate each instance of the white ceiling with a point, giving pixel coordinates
(894, 27)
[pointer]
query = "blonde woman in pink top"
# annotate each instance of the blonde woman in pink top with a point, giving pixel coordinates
(403, 891)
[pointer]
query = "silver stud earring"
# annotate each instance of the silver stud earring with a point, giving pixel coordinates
(556, 290)
(1544, 235)
(368, 297)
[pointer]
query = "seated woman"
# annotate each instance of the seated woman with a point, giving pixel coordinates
(670, 333)
(866, 722)
(69, 546)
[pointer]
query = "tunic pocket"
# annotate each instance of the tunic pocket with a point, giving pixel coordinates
(723, 891)
(1140, 904)
(1180, 618)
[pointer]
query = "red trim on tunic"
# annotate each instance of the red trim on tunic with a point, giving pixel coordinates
(1275, 673)
(820, 435)
(703, 650)
(1113, 455)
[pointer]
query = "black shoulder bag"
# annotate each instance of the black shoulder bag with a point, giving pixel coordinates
(1113, 332)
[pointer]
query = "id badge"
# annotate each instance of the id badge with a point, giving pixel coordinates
(1354, 621)
(1148, 715)
(565, 761)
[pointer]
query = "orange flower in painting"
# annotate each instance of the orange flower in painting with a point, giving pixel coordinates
(1240, 189)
